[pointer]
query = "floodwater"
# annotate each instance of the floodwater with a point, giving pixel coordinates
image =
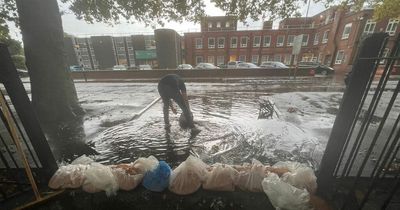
(227, 115)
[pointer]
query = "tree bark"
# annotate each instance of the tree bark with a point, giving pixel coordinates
(54, 97)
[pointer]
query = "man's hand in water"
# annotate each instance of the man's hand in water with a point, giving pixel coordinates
(172, 107)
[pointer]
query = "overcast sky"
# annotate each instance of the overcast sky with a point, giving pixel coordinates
(77, 27)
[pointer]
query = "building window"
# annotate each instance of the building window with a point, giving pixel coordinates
(218, 24)
(319, 58)
(221, 42)
(316, 38)
(233, 42)
(227, 24)
(254, 59)
(385, 54)
(280, 40)
(339, 57)
(346, 31)
(288, 59)
(210, 25)
(243, 41)
(290, 40)
(242, 58)
(210, 59)
(325, 37)
(277, 58)
(369, 27)
(305, 40)
(392, 26)
(264, 58)
(267, 41)
(211, 43)
(256, 41)
(220, 60)
(199, 43)
(199, 59)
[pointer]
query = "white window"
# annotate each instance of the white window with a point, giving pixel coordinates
(316, 38)
(220, 60)
(210, 59)
(210, 25)
(254, 59)
(243, 41)
(325, 37)
(227, 24)
(242, 58)
(305, 40)
(199, 59)
(277, 58)
(288, 59)
(267, 41)
(369, 27)
(319, 60)
(290, 40)
(256, 41)
(280, 40)
(211, 43)
(385, 54)
(233, 42)
(221, 42)
(199, 43)
(264, 58)
(339, 57)
(346, 31)
(218, 24)
(392, 26)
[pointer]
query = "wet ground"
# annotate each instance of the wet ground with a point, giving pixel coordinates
(227, 115)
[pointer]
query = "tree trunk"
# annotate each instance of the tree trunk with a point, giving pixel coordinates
(54, 96)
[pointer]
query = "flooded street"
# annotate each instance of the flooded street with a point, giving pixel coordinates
(227, 115)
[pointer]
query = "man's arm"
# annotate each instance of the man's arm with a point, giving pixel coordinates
(171, 105)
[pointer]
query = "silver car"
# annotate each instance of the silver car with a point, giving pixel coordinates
(184, 66)
(206, 66)
(247, 66)
(273, 65)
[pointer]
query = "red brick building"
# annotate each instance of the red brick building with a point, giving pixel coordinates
(330, 37)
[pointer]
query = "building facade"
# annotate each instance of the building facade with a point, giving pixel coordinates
(330, 37)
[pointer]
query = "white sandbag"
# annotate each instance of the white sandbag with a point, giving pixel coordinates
(84, 160)
(128, 177)
(300, 176)
(100, 178)
(283, 195)
(221, 177)
(145, 164)
(188, 176)
(69, 176)
(251, 176)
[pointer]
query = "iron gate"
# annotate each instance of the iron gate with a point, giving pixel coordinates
(360, 168)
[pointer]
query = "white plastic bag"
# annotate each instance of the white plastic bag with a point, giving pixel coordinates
(283, 195)
(145, 164)
(251, 176)
(100, 177)
(300, 176)
(188, 176)
(221, 177)
(127, 176)
(69, 176)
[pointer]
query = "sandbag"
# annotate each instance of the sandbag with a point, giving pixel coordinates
(157, 179)
(69, 176)
(283, 195)
(188, 176)
(300, 176)
(127, 176)
(145, 164)
(221, 177)
(100, 178)
(251, 176)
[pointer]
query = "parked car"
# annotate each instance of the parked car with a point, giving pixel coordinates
(222, 66)
(319, 68)
(145, 67)
(206, 66)
(247, 66)
(233, 64)
(273, 65)
(120, 68)
(184, 66)
(76, 68)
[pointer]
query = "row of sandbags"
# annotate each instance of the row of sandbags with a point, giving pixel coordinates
(287, 184)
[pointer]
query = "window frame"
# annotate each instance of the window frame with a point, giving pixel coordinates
(341, 61)
(241, 41)
(223, 44)
(277, 41)
(199, 46)
(346, 35)
(325, 37)
(234, 45)
(254, 41)
(208, 43)
(267, 44)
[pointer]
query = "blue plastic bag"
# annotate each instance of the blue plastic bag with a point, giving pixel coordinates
(158, 179)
